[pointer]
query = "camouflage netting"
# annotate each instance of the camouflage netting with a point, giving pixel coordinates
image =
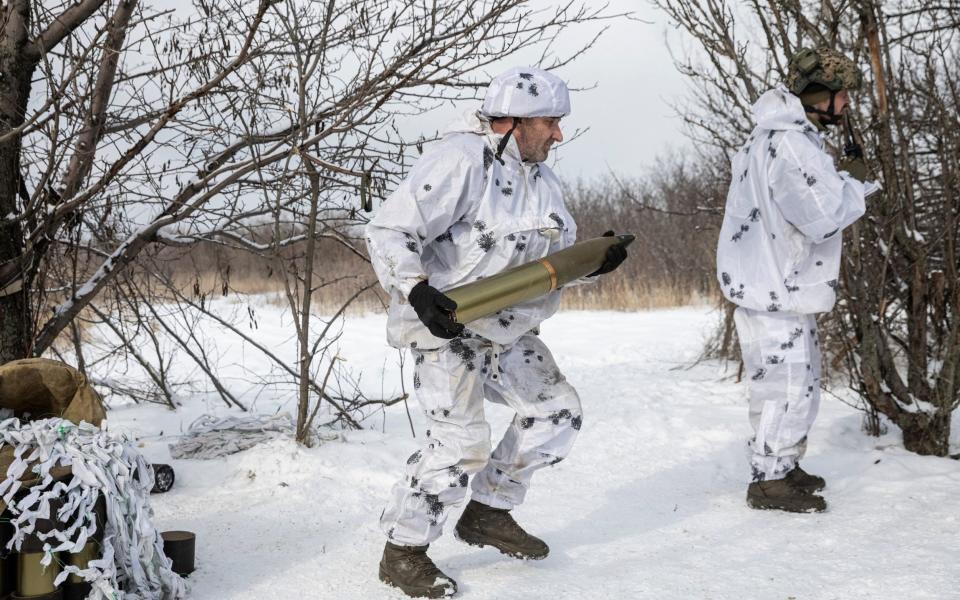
(58, 470)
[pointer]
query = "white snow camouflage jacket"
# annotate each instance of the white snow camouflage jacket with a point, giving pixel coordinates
(779, 247)
(460, 216)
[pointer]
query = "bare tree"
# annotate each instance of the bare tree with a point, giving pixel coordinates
(899, 314)
(130, 135)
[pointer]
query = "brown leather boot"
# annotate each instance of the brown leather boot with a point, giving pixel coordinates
(410, 569)
(805, 481)
(482, 525)
(780, 494)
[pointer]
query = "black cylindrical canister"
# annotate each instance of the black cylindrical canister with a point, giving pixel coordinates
(179, 546)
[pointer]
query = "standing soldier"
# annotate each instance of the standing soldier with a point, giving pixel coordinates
(477, 202)
(778, 259)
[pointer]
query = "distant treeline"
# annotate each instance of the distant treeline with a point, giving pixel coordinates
(669, 210)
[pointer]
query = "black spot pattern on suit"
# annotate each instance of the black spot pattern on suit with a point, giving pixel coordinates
(434, 506)
(796, 333)
(480, 225)
(831, 234)
(414, 458)
(756, 474)
(411, 243)
(503, 322)
(561, 414)
(774, 297)
(755, 215)
(526, 422)
(833, 283)
(737, 293)
(419, 359)
(464, 353)
(556, 219)
(487, 241)
(772, 151)
(739, 235)
(774, 360)
(810, 179)
(507, 191)
(532, 90)
(446, 236)
(512, 237)
(759, 375)
(774, 307)
(576, 422)
(416, 381)
(427, 187)
(488, 158)
(521, 247)
(527, 76)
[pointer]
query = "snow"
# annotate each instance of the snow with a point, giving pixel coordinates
(650, 504)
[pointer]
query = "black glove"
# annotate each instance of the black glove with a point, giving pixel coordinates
(434, 310)
(856, 166)
(616, 254)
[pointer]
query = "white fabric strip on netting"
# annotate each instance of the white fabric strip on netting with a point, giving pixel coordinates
(211, 437)
(104, 464)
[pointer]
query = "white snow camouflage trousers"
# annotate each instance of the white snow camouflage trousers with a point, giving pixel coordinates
(451, 384)
(781, 354)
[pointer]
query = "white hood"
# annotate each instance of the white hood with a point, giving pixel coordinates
(470, 121)
(779, 110)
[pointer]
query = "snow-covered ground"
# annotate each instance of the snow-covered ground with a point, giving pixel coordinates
(650, 504)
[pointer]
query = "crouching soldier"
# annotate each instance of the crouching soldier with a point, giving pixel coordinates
(477, 202)
(778, 259)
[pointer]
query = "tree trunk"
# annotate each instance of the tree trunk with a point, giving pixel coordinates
(16, 72)
(927, 434)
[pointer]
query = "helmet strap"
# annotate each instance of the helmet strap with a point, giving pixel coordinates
(829, 116)
(505, 140)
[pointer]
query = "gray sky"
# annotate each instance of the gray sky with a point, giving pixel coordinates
(630, 111)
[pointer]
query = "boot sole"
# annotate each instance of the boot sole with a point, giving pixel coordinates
(480, 541)
(414, 592)
(765, 504)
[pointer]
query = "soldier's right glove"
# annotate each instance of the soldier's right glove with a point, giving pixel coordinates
(435, 310)
(616, 254)
(856, 166)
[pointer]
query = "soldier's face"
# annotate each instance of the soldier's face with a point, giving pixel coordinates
(840, 101)
(536, 135)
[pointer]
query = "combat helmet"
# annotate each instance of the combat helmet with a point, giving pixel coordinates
(815, 75)
(523, 92)
(822, 66)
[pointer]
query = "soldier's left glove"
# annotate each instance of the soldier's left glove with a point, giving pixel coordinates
(856, 166)
(616, 254)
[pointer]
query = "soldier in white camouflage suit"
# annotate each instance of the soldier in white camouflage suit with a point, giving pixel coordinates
(477, 202)
(778, 258)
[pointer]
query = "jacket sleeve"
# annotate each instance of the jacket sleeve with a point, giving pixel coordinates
(427, 202)
(810, 193)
